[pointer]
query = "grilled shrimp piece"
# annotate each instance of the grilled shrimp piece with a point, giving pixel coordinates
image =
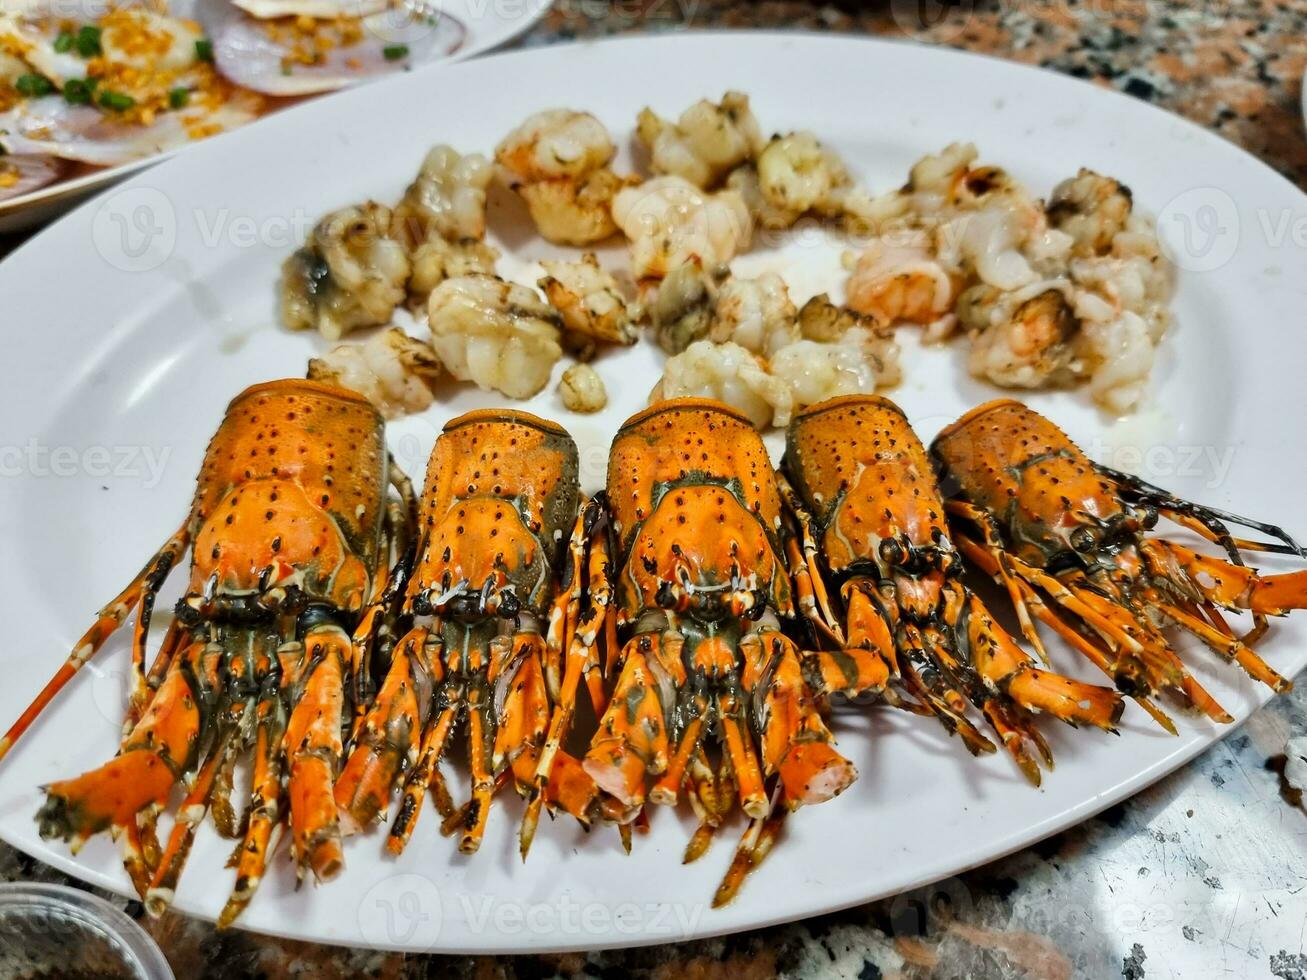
(757, 314)
(575, 212)
(726, 373)
(441, 220)
(898, 279)
(797, 174)
(744, 181)
(555, 144)
(447, 199)
(860, 362)
(582, 390)
(394, 371)
(669, 222)
(877, 574)
(820, 319)
(1025, 338)
(350, 273)
(706, 143)
(589, 300)
(494, 333)
(558, 161)
(680, 306)
(1092, 209)
(1070, 542)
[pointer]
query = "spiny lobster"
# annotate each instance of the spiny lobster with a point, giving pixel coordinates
(1036, 513)
(491, 600)
(290, 535)
(699, 588)
(877, 574)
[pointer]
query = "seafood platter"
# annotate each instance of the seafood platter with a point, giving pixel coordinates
(766, 502)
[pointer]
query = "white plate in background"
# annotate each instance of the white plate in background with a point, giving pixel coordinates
(489, 24)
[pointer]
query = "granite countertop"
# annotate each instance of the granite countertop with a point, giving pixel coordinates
(1205, 873)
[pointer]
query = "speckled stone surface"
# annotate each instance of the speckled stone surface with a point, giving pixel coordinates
(1202, 875)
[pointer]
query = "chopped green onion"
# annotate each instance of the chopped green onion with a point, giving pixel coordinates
(394, 52)
(63, 43)
(204, 49)
(77, 91)
(33, 86)
(118, 101)
(178, 97)
(87, 41)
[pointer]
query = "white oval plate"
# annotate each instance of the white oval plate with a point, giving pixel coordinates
(118, 378)
(489, 24)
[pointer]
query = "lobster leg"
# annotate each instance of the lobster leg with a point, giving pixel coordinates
(581, 655)
(163, 885)
(111, 617)
(1227, 646)
(757, 842)
(1207, 521)
(386, 741)
(871, 624)
(987, 561)
(713, 796)
(810, 584)
(695, 707)
(135, 860)
(994, 565)
(733, 715)
(926, 690)
(1005, 667)
(1140, 664)
(480, 736)
(386, 595)
(796, 745)
(1235, 587)
(565, 611)
(313, 749)
(425, 774)
(177, 637)
(398, 524)
(265, 814)
(632, 737)
(524, 724)
(151, 761)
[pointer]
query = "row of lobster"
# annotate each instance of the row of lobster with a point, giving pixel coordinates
(340, 632)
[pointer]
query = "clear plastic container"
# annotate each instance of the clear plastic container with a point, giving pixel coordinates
(53, 931)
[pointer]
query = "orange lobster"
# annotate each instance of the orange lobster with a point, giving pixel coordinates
(871, 529)
(270, 647)
(699, 588)
(492, 600)
(1036, 513)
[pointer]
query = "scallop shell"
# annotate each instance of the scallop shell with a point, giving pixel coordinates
(246, 51)
(32, 172)
(323, 9)
(50, 126)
